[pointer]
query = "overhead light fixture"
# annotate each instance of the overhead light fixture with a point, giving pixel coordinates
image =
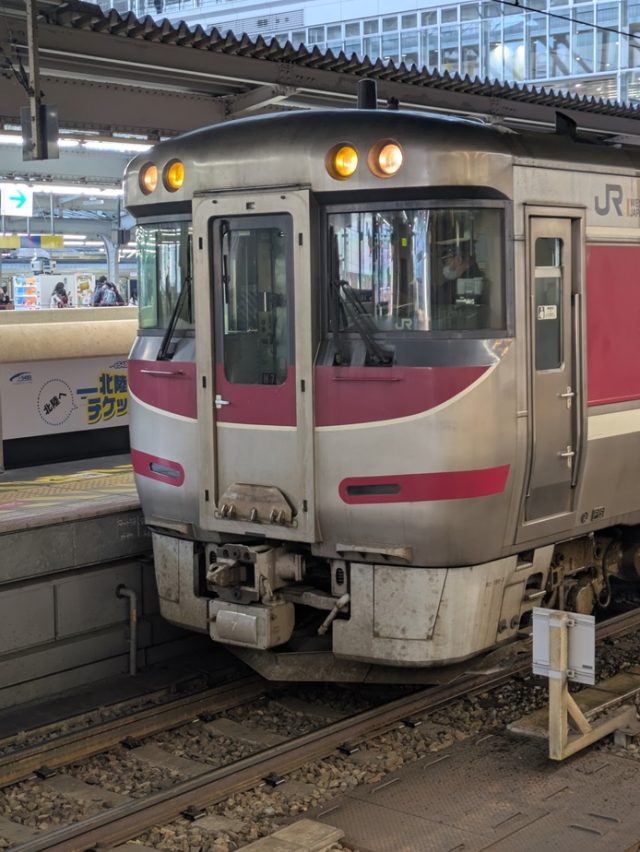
(106, 145)
(116, 147)
(71, 189)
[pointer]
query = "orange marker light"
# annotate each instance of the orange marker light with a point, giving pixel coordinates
(149, 178)
(342, 161)
(174, 175)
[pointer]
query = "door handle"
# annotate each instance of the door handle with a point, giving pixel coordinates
(219, 401)
(568, 454)
(568, 395)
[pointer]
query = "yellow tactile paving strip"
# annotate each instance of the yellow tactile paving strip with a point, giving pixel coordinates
(83, 485)
(27, 497)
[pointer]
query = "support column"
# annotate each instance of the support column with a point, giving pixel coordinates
(112, 258)
(37, 148)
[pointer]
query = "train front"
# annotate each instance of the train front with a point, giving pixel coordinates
(323, 389)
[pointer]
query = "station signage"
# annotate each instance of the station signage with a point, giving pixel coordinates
(44, 241)
(66, 395)
(16, 199)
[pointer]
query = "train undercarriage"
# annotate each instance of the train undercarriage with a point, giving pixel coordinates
(292, 616)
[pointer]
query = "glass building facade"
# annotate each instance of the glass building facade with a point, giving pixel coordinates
(590, 48)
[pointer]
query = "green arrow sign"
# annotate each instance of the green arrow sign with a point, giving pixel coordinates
(20, 199)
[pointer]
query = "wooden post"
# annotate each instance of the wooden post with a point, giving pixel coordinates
(561, 703)
(558, 665)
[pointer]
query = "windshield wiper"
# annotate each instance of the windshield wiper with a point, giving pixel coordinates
(345, 304)
(364, 325)
(164, 353)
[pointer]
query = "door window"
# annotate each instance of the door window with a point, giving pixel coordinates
(256, 274)
(548, 303)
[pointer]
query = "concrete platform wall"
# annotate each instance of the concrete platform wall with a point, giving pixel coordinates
(62, 624)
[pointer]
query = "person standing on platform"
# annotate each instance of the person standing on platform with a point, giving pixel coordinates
(100, 283)
(59, 297)
(109, 296)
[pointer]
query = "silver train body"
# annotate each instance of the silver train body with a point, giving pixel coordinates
(344, 478)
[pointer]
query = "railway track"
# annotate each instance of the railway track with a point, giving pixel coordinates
(19, 763)
(129, 820)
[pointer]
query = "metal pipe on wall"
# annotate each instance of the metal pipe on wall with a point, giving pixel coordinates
(124, 592)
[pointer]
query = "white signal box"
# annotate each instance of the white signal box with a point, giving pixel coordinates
(581, 640)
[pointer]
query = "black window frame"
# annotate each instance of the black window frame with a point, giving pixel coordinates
(422, 202)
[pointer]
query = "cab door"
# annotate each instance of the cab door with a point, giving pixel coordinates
(260, 395)
(555, 291)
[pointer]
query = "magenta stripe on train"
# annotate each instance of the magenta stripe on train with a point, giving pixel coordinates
(168, 385)
(363, 394)
(425, 487)
(257, 405)
(613, 324)
(154, 467)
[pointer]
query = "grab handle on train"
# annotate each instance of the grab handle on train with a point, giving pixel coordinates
(568, 454)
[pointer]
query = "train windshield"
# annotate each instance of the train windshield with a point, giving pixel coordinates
(164, 269)
(439, 269)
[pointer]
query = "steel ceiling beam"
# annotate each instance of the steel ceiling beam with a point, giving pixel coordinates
(87, 104)
(110, 71)
(91, 228)
(167, 78)
(74, 165)
(256, 99)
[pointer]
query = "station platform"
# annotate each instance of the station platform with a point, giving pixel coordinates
(498, 792)
(34, 496)
(61, 516)
(71, 535)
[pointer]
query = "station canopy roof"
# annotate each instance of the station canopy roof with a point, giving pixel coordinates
(118, 74)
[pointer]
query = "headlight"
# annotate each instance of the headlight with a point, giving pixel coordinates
(385, 158)
(149, 178)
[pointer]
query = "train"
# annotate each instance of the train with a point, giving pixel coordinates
(385, 393)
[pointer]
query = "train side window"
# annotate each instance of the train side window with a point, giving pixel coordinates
(548, 303)
(164, 269)
(255, 301)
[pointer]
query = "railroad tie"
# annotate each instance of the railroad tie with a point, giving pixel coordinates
(14, 832)
(235, 731)
(305, 835)
(73, 788)
(156, 756)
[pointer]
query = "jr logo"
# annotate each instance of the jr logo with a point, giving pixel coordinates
(612, 195)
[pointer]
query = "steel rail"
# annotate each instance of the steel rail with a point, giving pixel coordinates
(126, 821)
(129, 820)
(68, 748)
